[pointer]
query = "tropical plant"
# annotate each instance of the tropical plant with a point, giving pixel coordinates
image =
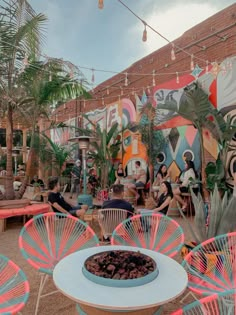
(55, 153)
(106, 145)
(218, 219)
(28, 87)
(195, 106)
(153, 139)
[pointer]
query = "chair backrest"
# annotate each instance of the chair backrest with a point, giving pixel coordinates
(47, 238)
(216, 304)
(211, 266)
(108, 219)
(14, 287)
(152, 231)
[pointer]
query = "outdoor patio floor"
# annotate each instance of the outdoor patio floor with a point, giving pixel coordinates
(57, 303)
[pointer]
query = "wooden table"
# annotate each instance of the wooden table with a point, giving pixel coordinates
(33, 209)
(96, 299)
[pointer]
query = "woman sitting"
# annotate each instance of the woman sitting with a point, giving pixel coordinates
(165, 198)
(189, 174)
(93, 182)
(162, 174)
(120, 173)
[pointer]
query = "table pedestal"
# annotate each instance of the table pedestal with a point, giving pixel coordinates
(89, 310)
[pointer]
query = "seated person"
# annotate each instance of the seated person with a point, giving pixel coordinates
(117, 200)
(17, 183)
(162, 174)
(93, 182)
(140, 179)
(59, 204)
(37, 181)
(189, 174)
(119, 173)
(165, 198)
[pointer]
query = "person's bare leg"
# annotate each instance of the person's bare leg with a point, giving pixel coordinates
(177, 195)
(80, 213)
(134, 191)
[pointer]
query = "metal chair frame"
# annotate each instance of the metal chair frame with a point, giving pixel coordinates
(48, 238)
(14, 287)
(154, 231)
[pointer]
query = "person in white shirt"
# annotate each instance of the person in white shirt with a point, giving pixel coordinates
(140, 179)
(189, 174)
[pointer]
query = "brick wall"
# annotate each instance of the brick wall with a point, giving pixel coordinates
(212, 40)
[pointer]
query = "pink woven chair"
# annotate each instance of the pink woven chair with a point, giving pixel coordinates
(47, 238)
(14, 287)
(150, 230)
(216, 304)
(211, 266)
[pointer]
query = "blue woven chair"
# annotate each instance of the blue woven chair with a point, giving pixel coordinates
(216, 304)
(152, 231)
(14, 287)
(211, 266)
(48, 238)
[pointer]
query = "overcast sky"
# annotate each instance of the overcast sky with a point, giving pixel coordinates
(111, 39)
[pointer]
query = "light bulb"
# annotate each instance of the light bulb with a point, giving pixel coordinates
(100, 4)
(173, 53)
(144, 34)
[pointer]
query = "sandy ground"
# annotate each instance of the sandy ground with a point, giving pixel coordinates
(57, 303)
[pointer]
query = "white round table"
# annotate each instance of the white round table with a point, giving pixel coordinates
(70, 280)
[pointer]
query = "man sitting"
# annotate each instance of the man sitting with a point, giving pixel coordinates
(58, 202)
(140, 179)
(36, 181)
(117, 200)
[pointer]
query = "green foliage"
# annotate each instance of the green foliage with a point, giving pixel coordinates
(106, 145)
(221, 217)
(215, 175)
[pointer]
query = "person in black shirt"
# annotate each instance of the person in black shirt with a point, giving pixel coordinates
(59, 204)
(37, 181)
(117, 200)
(165, 198)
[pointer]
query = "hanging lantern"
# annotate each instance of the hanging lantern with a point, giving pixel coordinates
(144, 32)
(192, 63)
(126, 79)
(173, 53)
(207, 67)
(100, 4)
(93, 77)
(177, 77)
(153, 78)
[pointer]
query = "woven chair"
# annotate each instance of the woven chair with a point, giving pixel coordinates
(47, 238)
(216, 304)
(211, 266)
(14, 287)
(152, 231)
(108, 219)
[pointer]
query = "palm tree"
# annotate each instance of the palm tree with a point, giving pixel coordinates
(28, 86)
(106, 145)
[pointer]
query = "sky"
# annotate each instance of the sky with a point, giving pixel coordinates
(111, 39)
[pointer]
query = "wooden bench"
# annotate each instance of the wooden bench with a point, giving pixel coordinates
(33, 209)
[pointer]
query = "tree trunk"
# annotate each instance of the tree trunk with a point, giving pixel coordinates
(9, 191)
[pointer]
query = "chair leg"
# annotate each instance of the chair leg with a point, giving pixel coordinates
(190, 293)
(43, 280)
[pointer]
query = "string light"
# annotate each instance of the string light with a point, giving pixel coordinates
(93, 77)
(126, 79)
(108, 92)
(103, 101)
(192, 63)
(84, 103)
(207, 67)
(100, 4)
(173, 53)
(177, 77)
(121, 91)
(144, 32)
(153, 78)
